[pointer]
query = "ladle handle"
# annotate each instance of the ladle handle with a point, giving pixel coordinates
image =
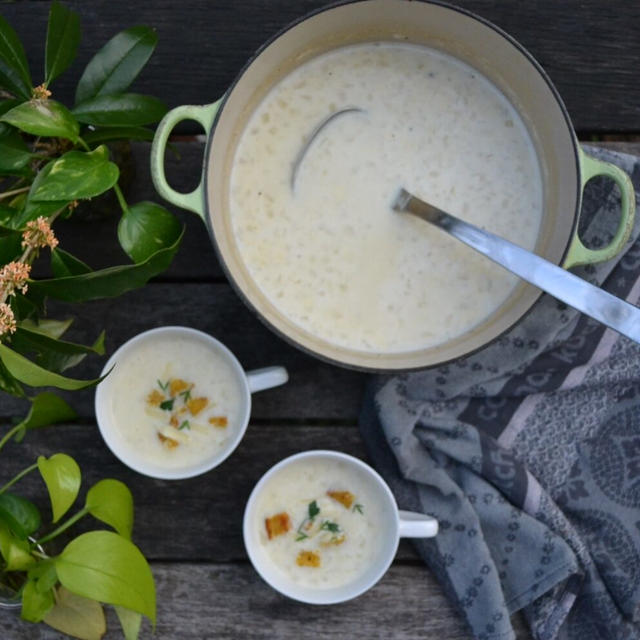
(563, 285)
(205, 115)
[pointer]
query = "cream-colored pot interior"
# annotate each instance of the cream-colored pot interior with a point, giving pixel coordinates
(451, 30)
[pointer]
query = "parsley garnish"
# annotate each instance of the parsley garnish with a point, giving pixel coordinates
(333, 527)
(301, 536)
(358, 507)
(185, 425)
(164, 386)
(314, 510)
(186, 395)
(167, 405)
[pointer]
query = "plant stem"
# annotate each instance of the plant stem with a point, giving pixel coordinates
(63, 527)
(13, 192)
(84, 144)
(10, 434)
(23, 473)
(123, 203)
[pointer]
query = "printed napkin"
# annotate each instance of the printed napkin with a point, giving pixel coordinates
(528, 453)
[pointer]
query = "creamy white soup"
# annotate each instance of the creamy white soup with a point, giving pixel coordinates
(174, 401)
(319, 522)
(328, 251)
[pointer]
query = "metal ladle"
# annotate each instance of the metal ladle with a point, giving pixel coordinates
(576, 292)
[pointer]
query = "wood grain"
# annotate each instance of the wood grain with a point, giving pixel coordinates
(590, 48)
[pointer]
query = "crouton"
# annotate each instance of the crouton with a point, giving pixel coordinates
(308, 559)
(334, 541)
(196, 405)
(345, 498)
(219, 421)
(177, 385)
(155, 398)
(278, 524)
(170, 443)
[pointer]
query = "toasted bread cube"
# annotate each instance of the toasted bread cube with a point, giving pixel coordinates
(174, 420)
(345, 498)
(177, 385)
(170, 443)
(278, 524)
(196, 405)
(219, 421)
(334, 541)
(155, 398)
(308, 559)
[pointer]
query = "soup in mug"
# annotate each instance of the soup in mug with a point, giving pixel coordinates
(324, 245)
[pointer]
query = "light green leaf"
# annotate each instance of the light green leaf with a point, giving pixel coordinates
(145, 228)
(43, 118)
(111, 502)
(63, 264)
(35, 376)
(35, 605)
(63, 37)
(118, 133)
(20, 515)
(46, 409)
(106, 283)
(14, 69)
(51, 353)
(62, 476)
(130, 621)
(77, 175)
(14, 153)
(9, 384)
(104, 566)
(77, 616)
(44, 575)
(48, 326)
(117, 64)
(15, 552)
(120, 110)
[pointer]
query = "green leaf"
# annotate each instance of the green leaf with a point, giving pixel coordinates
(14, 69)
(118, 133)
(120, 110)
(77, 616)
(14, 153)
(36, 376)
(104, 566)
(106, 283)
(9, 384)
(48, 326)
(62, 476)
(44, 575)
(145, 228)
(77, 175)
(63, 264)
(63, 37)
(43, 118)
(20, 515)
(51, 353)
(130, 621)
(35, 605)
(111, 502)
(46, 409)
(117, 64)
(16, 553)
(10, 247)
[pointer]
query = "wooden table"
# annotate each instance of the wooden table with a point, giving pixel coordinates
(191, 530)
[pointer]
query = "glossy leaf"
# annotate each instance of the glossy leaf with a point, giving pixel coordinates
(104, 566)
(63, 37)
(15, 552)
(44, 575)
(106, 283)
(14, 69)
(10, 247)
(33, 208)
(118, 133)
(117, 64)
(43, 118)
(120, 110)
(111, 502)
(20, 515)
(77, 175)
(46, 409)
(34, 375)
(48, 326)
(35, 605)
(63, 264)
(14, 153)
(130, 621)
(9, 384)
(76, 616)
(62, 476)
(145, 228)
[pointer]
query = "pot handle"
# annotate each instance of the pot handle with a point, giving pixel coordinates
(205, 115)
(591, 167)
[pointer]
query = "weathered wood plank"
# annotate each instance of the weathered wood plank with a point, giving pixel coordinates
(197, 601)
(315, 391)
(589, 48)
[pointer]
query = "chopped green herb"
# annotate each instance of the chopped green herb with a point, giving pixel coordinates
(358, 507)
(164, 386)
(186, 395)
(333, 527)
(185, 425)
(301, 536)
(167, 405)
(314, 509)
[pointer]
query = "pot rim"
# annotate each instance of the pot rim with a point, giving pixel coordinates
(227, 271)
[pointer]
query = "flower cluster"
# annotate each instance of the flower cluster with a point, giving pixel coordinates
(13, 277)
(39, 234)
(7, 319)
(41, 92)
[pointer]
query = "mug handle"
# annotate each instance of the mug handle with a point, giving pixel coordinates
(416, 525)
(261, 379)
(205, 115)
(591, 167)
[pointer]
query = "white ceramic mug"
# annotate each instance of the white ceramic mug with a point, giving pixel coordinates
(247, 383)
(395, 524)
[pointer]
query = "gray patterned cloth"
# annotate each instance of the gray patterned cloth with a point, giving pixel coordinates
(528, 453)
